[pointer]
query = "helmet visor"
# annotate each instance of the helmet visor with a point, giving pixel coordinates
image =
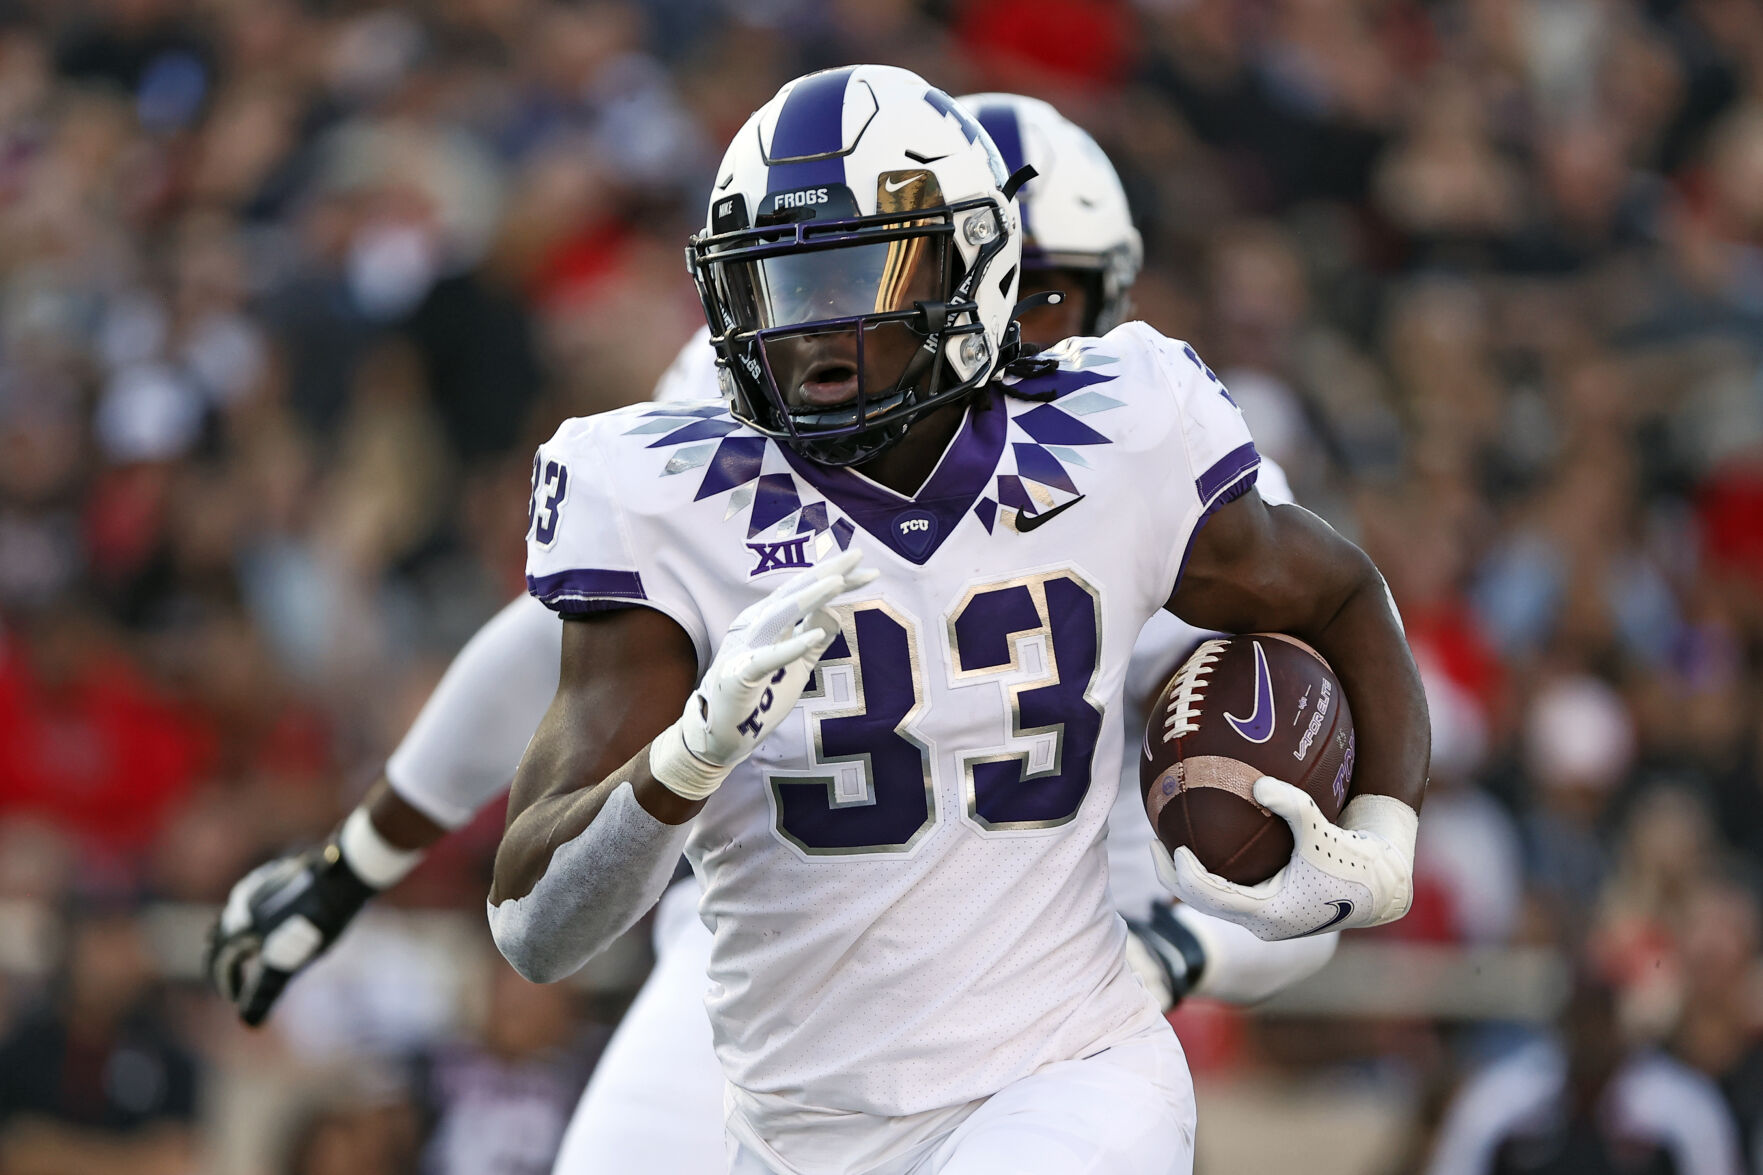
(799, 288)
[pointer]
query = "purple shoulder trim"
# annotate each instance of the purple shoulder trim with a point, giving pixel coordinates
(1230, 477)
(586, 589)
(1226, 470)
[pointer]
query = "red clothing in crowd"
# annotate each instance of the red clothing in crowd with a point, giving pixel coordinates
(1731, 508)
(99, 754)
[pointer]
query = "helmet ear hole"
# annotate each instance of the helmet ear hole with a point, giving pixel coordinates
(968, 354)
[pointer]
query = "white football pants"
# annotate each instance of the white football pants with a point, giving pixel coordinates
(654, 1105)
(1128, 1110)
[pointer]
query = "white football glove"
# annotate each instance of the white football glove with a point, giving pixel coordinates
(756, 679)
(1343, 876)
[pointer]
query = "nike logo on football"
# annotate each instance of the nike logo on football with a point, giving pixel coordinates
(1028, 523)
(892, 186)
(1258, 726)
(1343, 910)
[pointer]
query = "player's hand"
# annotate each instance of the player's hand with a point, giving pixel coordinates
(1165, 955)
(277, 920)
(1343, 876)
(756, 678)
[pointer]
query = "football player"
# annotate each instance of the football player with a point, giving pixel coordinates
(893, 781)
(656, 1097)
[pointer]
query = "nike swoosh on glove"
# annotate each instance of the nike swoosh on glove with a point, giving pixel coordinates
(1343, 876)
(757, 678)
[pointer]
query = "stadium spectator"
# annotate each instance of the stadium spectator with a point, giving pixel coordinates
(95, 1080)
(1587, 1104)
(500, 1102)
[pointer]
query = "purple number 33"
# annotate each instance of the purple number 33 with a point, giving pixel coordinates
(550, 487)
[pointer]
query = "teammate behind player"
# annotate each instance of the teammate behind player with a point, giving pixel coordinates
(913, 952)
(1078, 237)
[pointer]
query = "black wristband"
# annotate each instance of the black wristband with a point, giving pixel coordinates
(1173, 931)
(339, 890)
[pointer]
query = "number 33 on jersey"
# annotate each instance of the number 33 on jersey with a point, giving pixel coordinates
(935, 805)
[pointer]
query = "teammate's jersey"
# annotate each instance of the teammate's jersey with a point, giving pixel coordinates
(907, 882)
(692, 374)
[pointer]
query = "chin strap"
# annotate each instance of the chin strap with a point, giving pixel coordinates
(1035, 301)
(1017, 360)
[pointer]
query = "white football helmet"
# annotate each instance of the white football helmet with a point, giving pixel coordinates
(859, 264)
(1074, 212)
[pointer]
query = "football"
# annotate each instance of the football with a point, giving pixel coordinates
(1238, 709)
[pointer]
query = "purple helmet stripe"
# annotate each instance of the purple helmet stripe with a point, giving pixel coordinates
(811, 123)
(1001, 123)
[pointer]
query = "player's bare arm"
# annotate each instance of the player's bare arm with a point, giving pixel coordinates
(1261, 568)
(625, 676)
(404, 826)
(1257, 567)
(598, 813)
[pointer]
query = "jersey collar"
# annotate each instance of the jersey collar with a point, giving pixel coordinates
(914, 527)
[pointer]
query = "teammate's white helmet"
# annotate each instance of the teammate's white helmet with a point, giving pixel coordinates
(859, 262)
(1074, 212)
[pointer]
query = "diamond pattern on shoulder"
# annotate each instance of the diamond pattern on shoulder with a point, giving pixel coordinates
(698, 430)
(1090, 403)
(686, 459)
(737, 462)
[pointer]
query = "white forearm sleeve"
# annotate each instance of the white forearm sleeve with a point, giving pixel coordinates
(462, 750)
(594, 890)
(1242, 969)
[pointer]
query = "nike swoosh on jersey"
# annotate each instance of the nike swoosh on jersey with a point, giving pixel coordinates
(1024, 525)
(1258, 726)
(1343, 909)
(892, 186)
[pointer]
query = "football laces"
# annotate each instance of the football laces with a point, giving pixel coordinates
(1182, 716)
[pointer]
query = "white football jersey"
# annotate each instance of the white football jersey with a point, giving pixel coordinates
(907, 882)
(692, 374)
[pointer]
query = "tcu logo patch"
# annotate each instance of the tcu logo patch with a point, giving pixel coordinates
(915, 531)
(791, 553)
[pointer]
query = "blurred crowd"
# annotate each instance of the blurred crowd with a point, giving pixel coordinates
(290, 289)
